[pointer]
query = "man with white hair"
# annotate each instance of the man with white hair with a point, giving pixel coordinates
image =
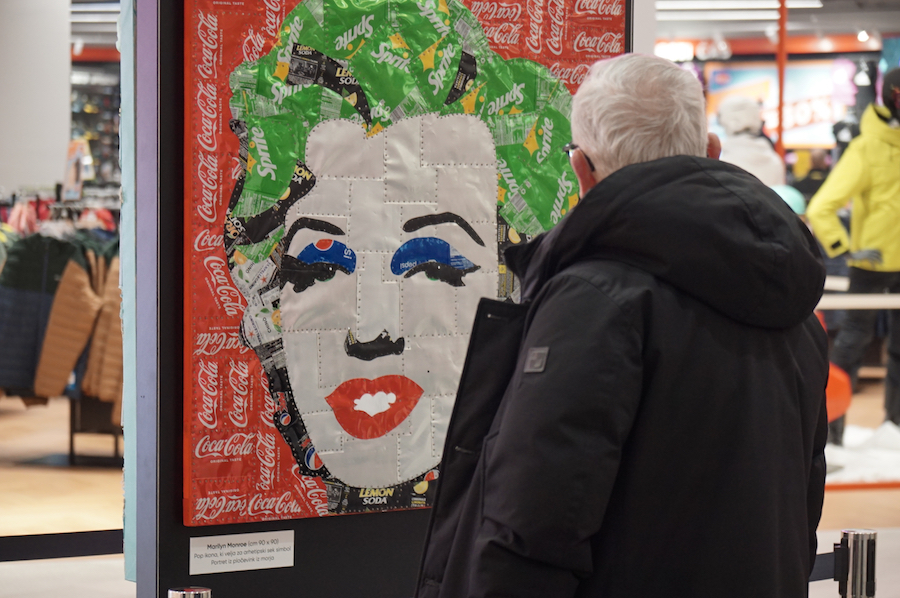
(662, 433)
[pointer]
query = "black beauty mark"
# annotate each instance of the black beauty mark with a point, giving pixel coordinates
(442, 272)
(378, 347)
(302, 275)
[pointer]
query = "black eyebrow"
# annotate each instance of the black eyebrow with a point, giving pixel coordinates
(414, 224)
(312, 224)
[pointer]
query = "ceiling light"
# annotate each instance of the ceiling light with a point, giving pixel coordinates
(719, 15)
(733, 4)
(863, 36)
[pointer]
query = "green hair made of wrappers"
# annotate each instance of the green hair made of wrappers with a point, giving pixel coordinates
(376, 62)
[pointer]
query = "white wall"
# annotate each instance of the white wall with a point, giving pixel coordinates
(34, 92)
(644, 26)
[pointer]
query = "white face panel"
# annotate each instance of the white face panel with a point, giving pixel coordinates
(382, 421)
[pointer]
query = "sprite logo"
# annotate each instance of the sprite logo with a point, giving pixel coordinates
(363, 28)
(436, 20)
(385, 55)
(280, 90)
(508, 176)
(436, 77)
(564, 199)
(546, 139)
(266, 168)
(513, 96)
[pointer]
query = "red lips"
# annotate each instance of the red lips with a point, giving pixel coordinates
(347, 400)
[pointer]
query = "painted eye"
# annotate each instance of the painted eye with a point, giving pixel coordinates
(318, 262)
(435, 257)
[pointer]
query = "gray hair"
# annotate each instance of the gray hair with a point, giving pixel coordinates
(636, 108)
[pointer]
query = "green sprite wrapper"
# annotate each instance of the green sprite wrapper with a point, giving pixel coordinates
(273, 152)
(513, 185)
(351, 24)
(309, 66)
(393, 92)
(304, 22)
(542, 155)
(257, 252)
(515, 86)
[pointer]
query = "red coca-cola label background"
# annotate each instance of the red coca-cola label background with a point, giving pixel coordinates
(236, 466)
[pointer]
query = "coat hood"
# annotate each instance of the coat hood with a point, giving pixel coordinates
(874, 123)
(706, 227)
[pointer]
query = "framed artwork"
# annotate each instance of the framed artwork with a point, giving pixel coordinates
(354, 169)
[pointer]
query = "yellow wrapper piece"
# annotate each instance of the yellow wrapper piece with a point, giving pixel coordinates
(427, 57)
(501, 194)
(573, 201)
(397, 41)
(239, 258)
(421, 487)
(250, 163)
(281, 70)
(468, 102)
(375, 130)
(531, 142)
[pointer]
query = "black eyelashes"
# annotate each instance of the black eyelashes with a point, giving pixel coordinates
(302, 275)
(442, 272)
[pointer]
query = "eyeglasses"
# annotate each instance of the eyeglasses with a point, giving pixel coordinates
(570, 147)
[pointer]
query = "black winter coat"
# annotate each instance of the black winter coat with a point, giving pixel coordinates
(670, 443)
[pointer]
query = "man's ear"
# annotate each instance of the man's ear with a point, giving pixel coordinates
(583, 172)
(713, 146)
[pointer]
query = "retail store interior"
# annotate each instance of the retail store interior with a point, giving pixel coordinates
(61, 452)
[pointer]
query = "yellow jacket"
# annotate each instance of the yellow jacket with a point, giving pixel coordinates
(869, 174)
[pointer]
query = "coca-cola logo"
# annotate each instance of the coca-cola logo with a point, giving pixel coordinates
(239, 381)
(274, 505)
(504, 34)
(265, 453)
(570, 75)
(238, 444)
(208, 107)
(487, 11)
(274, 14)
(208, 381)
(208, 38)
(213, 343)
(608, 43)
(253, 45)
(229, 297)
(206, 240)
(535, 10)
(312, 488)
(603, 8)
(267, 414)
(212, 507)
(556, 10)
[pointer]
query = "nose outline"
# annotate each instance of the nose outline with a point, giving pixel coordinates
(380, 346)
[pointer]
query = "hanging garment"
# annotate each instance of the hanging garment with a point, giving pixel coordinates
(103, 377)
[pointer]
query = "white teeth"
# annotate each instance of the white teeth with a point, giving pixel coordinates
(372, 405)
